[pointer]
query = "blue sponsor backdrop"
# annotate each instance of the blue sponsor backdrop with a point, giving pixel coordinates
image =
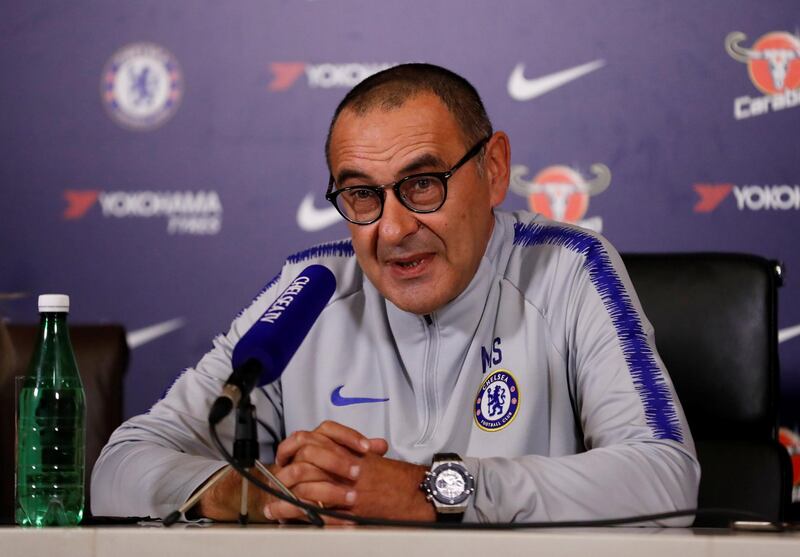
(156, 158)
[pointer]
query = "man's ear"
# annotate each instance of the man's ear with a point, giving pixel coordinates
(497, 167)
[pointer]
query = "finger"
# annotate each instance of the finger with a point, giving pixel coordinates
(289, 446)
(331, 495)
(346, 466)
(328, 456)
(345, 436)
(325, 493)
(337, 521)
(378, 446)
(299, 472)
(289, 512)
(283, 511)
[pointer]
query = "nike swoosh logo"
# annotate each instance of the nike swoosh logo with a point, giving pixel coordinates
(311, 219)
(522, 89)
(338, 400)
(788, 333)
(148, 334)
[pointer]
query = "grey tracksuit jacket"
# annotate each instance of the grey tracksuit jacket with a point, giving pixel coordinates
(542, 374)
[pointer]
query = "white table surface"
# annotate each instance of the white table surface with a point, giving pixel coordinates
(275, 541)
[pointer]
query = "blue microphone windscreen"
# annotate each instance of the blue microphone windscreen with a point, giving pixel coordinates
(279, 332)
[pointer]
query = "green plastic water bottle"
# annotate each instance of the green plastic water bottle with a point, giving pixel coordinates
(51, 426)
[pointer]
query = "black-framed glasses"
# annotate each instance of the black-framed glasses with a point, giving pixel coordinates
(419, 193)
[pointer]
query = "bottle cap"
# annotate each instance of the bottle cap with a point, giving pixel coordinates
(53, 303)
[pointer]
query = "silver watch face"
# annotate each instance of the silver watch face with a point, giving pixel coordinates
(451, 484)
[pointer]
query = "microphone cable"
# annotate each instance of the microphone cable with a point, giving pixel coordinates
(315, 511)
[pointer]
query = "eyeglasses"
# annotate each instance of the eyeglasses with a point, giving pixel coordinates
(419, 193)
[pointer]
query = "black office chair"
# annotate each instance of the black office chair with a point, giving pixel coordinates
(715, 320)
(102, 355)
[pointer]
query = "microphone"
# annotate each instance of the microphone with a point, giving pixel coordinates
(265, 350)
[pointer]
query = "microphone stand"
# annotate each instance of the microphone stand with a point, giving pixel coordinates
(245, 452)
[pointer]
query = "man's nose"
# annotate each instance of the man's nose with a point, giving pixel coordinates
(397, 221)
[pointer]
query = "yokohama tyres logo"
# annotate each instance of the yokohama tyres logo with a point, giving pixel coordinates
(748, 197)
(322, 76)
(186, 212)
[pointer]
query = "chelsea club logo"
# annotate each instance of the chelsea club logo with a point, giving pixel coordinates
(141, 86)
(497, 402)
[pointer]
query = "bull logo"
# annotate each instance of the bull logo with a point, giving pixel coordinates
(773, 62)
(561, 193)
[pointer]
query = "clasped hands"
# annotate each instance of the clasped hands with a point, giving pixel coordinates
(338, 467)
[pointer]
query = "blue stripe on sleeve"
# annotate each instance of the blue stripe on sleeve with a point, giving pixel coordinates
(342, 248)
(266, 287)
(648, 379)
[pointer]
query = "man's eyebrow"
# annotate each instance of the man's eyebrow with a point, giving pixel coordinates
(423, 162)
(349, 174)
(426, 161)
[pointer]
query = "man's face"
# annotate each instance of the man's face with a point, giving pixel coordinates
(419, 262)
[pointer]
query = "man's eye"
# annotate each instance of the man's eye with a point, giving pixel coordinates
(421, 184)
(423, 191)
(360, 197)
(359, 193)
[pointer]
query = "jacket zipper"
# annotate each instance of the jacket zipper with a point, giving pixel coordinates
(429, 380)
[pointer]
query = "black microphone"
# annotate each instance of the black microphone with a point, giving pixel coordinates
(265, 350)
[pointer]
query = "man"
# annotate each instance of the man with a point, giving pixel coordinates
(506, 348)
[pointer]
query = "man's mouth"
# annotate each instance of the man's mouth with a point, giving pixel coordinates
(409, 264)
(409, 267)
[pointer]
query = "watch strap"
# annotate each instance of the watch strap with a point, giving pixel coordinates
(441, 457)
(452, 518)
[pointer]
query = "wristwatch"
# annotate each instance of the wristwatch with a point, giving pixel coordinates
(448, 485)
